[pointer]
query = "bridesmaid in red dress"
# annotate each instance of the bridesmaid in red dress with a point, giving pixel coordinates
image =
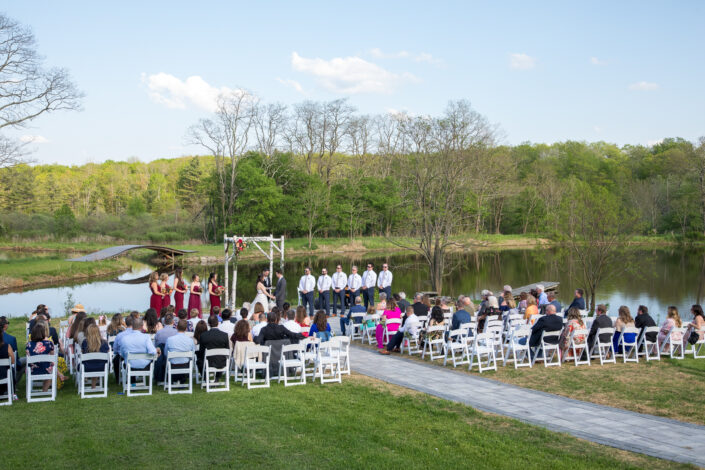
(155, 301)
(166, 290)
(214, 291)
(179, 289)
(194, 298)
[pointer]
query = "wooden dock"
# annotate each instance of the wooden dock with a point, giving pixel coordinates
(548, 287)
(114, 251)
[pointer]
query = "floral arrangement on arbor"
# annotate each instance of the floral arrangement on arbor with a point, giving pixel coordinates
(240, 245)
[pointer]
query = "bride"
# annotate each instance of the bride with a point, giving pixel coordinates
(262, 296)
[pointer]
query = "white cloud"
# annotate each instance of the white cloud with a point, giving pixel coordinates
(597, 62)
(651, 143)
(292, 84)
(643, 86)
(521, 61)
(425, 57)
(34, 139)
(173, 92)
(350, 75)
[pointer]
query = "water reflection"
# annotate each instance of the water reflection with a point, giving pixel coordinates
(658, 278)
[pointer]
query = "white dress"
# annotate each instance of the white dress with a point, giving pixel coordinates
(262, 298)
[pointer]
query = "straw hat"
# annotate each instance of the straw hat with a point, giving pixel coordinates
(78, 308)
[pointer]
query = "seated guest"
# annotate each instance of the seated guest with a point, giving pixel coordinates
(151, 321)
(624, 320)
(382, 304)
(213, 339)
(320, 327)
(241, 315)
(531, 307)
(643, 320)
(226, 326)
(401, 301)
(420, 309)
(200, 328)
(94, 343)
(6, 352)
(290, 323)
(673, 320)
(548, 323)
(553, 301)
(410, 329)
(241, 338)
(436, 319)
(391, 312)
(462, 314)
(117, 324)
(491, 309)
(194, 317)
(542, 298)
(274, 332)
(36, 346)
(578, 301)
(523, 301)
(303, 320)
(166, 332)
(357, 308)
(117, 344)
(137, 343)
(484, 295)
(51, 331)
(601, 321)
(698, 321)
(216, 312)
(179, 342)
(182, 314)
(82, 334)
(262, 317)
(76, 328)
(574, 322)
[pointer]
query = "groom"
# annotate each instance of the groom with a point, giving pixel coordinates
(280, 289)
(266, 281)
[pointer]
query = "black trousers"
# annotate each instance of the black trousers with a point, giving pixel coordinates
(339, 296)
(395, 341)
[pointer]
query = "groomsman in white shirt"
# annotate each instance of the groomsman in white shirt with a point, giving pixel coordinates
(384, 281)
(306, 286)
(354, 284)
(369, 280)
(324, 283)
(340, 280)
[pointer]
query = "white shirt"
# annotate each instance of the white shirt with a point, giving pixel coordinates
(258, 327)
(411, 325)
(339, 280)
(324, 283)
(292, 326)
(369, 278)
(384, 279)
(228, 327)
(307, 283)
(354, 281)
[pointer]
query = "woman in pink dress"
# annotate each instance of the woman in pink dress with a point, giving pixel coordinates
(194, 298)
(391, 311)
(179, 289)
(155, 300)
(214, 291)
(166, 290)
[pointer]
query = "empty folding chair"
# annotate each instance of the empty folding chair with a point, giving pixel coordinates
(675, 347)
(257, 360)
(180, 371)
(216, 379)
(604, 349)
(434, 346)
(292, 360)
(550, 352)
(35, 392)
(343, 344)
(310, 346)
(579, 346)
(7, 381)
(483, 346)
(648, 348)
(83, 376)
(515, 350)
(143, 377)
(328, 363)
(628, 344)
(698, 347)
(457, 347)
(355, 327)
(496, 328)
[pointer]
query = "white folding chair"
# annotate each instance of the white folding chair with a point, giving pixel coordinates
(143, 378)
(210, 379)
(434, 346)
(545, 348)
(579, 346)
(496, 328)
(355, 327)
(457, 347)
(101, 389)
(632, 353)
(310, 347)
(411, 342)
(6, 398)
(36, 393)
(604, 350)
(370, 329)
(392, 321)
(423, 319)
(171, 371)
(519, 352)
(328, 359)
(675, 349)
(483, 346)
(649, 348)
(698, 347)
(343, 344)
(257, 359)
(292, 359)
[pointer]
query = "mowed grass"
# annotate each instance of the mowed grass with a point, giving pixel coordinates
(361, 423)
(17, 272)
(670, 388)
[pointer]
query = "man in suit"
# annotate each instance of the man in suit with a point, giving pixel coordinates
(578, 302)
(274, 331)
(213, 339)
(601, 321)
(306, 285)
(547, 323)
(280, 289)
(642, 320)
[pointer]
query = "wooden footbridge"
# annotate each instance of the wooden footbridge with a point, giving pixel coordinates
(168, 253)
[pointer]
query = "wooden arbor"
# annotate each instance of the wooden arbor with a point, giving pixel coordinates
(231, 254)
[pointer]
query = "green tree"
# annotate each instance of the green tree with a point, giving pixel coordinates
(65, 225)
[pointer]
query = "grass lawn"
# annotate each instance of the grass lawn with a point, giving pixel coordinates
(670, 388)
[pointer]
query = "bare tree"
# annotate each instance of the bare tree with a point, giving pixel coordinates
(27, 90)
(390, 141)
(359, 134)
(226, 137)
(269, 122)
(304, 134)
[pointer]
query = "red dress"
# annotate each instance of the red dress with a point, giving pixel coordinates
(167, 297)
(215, 299)
(155, 301)
(179, 296)
(194, 301)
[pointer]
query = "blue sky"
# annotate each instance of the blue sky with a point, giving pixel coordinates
(628, 72)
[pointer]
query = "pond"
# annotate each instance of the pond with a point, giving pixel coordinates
(658, 278)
